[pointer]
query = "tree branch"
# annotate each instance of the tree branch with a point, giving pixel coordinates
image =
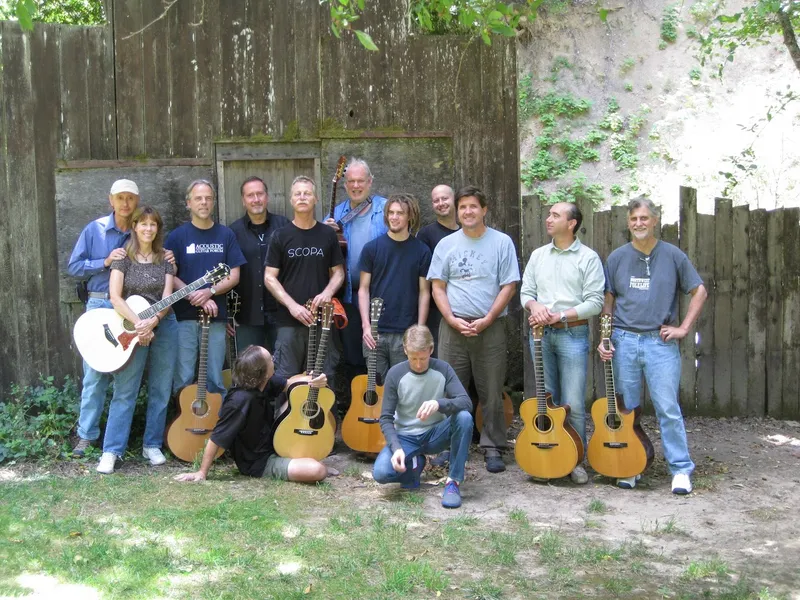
(167, 5)
(789, 37)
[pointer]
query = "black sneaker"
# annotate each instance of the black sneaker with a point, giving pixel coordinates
(79, 451)
(441, 459)
(495, 464)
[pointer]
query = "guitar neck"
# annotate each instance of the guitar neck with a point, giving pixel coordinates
(372, 359)
(538, 368)
(172, 299)
(333, 198)
(611, 394)
(313, 393)
(203, 362)
(311, 355)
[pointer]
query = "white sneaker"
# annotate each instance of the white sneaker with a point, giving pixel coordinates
(107, 462)
(154, 455)
(681, 484)
(628, 483)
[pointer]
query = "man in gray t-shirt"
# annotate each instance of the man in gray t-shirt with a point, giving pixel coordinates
(642, 283)
(474, 274)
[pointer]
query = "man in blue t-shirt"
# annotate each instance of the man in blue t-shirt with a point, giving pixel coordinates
(394, 268)
(200, 245)
(360, 218)
(642, 283)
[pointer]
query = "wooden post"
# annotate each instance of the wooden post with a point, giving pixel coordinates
(791, 314)
(775, 312)
(532, 233)
(723, 304)
(757, 315)
(704, 262)
(687, 235)
(739, 303)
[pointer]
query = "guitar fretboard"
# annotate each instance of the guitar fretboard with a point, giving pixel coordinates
(611, 395)
(372, 359)
(538, 368)
(172, 299)
(203, 362)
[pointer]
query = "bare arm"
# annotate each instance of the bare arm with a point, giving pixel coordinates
(275, 287)
(499, 304)
(336, 280)
(699, 295)
(364, 309)
(424, 302)
(440, 297)
(209, 454)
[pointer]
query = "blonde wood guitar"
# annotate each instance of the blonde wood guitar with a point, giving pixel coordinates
(619, 447)
(305, 431)
(199, 409)
(548, 447)
(361, 429)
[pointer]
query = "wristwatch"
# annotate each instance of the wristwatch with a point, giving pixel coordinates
(213, 290)
(563, 317)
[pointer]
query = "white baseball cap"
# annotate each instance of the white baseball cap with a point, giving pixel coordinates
(124, 185)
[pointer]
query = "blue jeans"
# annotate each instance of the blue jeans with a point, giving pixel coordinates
(93, 394)
(188, 345)
(660, 361)
(565, 353)
(454, 432)
(161, 354)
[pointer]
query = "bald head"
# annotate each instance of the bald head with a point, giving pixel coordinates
(443, 199)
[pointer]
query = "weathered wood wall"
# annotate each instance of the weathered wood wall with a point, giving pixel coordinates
(746, 359)
(222, 70)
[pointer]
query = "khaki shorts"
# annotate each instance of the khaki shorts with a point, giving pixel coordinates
(277, 467)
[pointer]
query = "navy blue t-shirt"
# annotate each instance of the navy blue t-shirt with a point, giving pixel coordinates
(395, 268)
(198, 251)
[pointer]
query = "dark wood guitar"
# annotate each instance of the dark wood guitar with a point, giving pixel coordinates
(304, 431)
(198, 409)
(340, 166)
(548, 447)
(361, 430)
(233, 303)
(619, 447)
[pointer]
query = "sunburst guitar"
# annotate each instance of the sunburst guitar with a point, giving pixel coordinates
(304, 431)
(199, 409)
(548, 447)
(619, 447)
(361, 429)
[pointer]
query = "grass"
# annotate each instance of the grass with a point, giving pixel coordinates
(145, 536)
(597, 507)
(663, 527)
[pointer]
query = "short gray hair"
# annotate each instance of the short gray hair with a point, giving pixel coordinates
(197, 182)
(359, 162)
(651, 206)
(304, 179)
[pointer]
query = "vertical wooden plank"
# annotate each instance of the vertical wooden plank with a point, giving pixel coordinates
(757, 317)
(775, 224)
(234, 69)
(307, 78)
(740, 257)
(669, 233)
(261, 54)
(619, 227)
(723, 305)
(532, 232)
(101, 104)
(601, 225)
(790, 403)
(704, 261)
(184, 65)
(687, 233)
(129, 76)
(74, 93)
(156, 82)
(208, 76)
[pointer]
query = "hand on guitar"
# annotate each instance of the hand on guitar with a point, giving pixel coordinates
(320, 381)
(330, 222)
(196, 476)
(606, 354)
(200, 297)
(367, 338)
(116, 254)
(145, 326)
(230, 328)
(322, 298)
(427, 409)
(302, 314)
(399, 461)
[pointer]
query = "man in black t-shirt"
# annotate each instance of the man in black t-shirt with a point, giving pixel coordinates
(304, 262)
(444, 205)
(246, 420)
(256, 318)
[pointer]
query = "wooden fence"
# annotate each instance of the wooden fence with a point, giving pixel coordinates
(745, 357)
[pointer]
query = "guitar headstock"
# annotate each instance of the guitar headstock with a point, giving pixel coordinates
(234, 303)
(314, 311)
(339, 169)
(327, 315)
(537, 331)
(218, 273)
(375, 309)
(605, 326)
(204, 318)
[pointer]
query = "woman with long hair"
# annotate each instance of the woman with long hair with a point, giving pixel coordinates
(143, 272)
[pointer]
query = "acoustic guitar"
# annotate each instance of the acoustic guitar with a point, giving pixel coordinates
(508, 413)
(198, 409)
(619, 447)
(106, 339)
(234, 303)
(304, 430)
(337, 175)
(548, 447)
(361, 429)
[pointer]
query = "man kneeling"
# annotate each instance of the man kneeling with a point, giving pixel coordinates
(425, 410)
(246, 421)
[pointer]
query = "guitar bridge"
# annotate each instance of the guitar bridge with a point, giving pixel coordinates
(615, 445)
(198, 431)
(306, 431)
(367, 420)
(544, 446)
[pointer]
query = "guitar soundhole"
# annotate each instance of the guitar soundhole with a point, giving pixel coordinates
(311, 410)
(613, 421)
(199, 408)
(128, 325)
(371, 398)
(543, 423)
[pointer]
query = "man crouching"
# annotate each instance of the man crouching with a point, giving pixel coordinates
(425, 410)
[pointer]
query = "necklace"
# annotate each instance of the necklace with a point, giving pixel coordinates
(145, 257)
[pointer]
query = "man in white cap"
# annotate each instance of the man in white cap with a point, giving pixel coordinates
(99, 244)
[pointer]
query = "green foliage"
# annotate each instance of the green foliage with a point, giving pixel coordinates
(561, 105)
(691, 32)
(669, 23)
(694, 74)
(35, 422)
(595, 136)
(560, 63)
(627, 65)
(577, 190)
(702, 11)
(69, 12)
(525, 97)
(616, 190)
(624, 151)
(628, 86)
(662, 45)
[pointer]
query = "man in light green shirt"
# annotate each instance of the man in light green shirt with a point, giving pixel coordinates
(562, 287)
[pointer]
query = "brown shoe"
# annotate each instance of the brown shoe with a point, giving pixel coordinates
(81, 447)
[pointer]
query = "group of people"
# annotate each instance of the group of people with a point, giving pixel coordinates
(446, 292)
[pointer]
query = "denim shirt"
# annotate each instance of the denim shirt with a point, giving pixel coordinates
(377, 228)
(95, 243)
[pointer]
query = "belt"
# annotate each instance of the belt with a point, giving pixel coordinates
(100, 295)
(569, 324)
(467, 319)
